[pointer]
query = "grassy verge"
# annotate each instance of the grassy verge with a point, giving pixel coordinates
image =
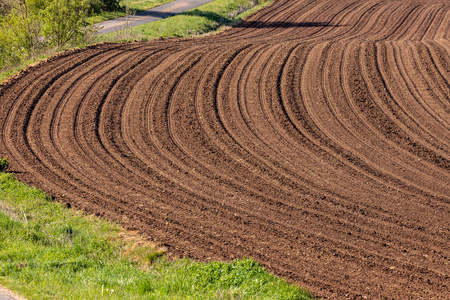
(50, 252)
(212, 16)
(9, 72)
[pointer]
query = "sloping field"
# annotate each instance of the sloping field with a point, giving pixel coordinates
(314, 137)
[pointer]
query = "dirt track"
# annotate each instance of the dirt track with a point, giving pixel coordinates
(315, 138)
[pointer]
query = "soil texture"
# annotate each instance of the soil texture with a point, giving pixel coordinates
(313, 137)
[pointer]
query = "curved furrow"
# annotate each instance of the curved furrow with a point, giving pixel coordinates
(396, 125)
(442, 33)
(430, 92)
(410, 162)
(304, 123)
(412, 80)
(23, 104)
(440, 58)
(292, 157)
(390, 151)
(197, 186)
(414, 25)
(370, 19)
(433, 22)
(360, 147)
(99, 84)
(407, 17)
(184, 209)
(313, 137)
(316, 143)
(320, 21)
(359, 129)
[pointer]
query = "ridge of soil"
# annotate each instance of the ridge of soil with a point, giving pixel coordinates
(313, 137)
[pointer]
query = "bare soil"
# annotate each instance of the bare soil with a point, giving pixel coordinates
(313, 137)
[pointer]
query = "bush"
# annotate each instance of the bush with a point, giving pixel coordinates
(104, 5)
(22, 25)
(9, 54)
(65, 20)
(4, 164)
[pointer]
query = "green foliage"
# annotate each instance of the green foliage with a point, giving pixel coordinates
(23, 26)
(29, 28)
(104, 5)
(9, 54)
(50, 252)
(4, 164)
(65, 20)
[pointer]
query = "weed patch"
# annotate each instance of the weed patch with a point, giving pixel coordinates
(4, 164)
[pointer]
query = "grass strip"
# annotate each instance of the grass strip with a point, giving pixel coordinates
(48, 251)
(216, 15)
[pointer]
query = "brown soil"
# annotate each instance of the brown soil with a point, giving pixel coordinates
(314, 137)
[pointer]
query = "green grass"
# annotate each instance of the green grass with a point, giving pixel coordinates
(206, 18)
(50, 252)
(11, 71)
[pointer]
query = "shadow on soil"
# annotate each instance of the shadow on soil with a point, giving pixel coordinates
(254, 24)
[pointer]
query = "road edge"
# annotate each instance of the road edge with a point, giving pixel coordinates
(7, 294)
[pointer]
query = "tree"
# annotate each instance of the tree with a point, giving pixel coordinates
(104, 5)
(65, 20)
(25, 24)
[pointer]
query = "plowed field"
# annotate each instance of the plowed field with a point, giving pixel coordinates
(313, 137)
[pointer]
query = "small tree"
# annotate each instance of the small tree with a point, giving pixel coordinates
(65, 20)
(9, 54)
(104, 5)
(25, 23)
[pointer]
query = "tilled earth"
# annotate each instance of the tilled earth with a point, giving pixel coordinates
(313, 137)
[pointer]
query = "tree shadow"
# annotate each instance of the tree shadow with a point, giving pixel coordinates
(254, 24)
(208, 15)
(155, 14)
(257, 24)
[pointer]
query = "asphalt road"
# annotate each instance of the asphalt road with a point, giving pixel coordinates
(6, 294)
(154, 14)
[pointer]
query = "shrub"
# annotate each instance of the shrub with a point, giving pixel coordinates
(104, 5)
(4, 164)
(65, 20)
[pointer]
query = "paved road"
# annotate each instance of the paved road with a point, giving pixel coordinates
(154, 14)
(6, 294)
